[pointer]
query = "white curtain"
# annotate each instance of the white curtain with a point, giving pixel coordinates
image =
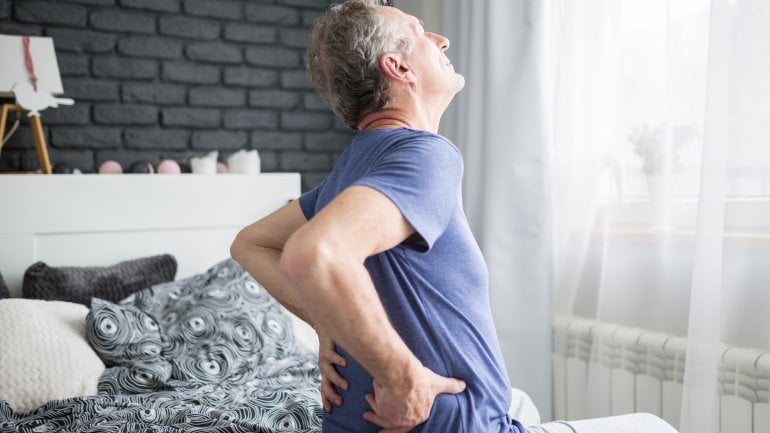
(500, 121)
(618, 170)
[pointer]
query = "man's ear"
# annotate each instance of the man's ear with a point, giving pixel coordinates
(395, 67)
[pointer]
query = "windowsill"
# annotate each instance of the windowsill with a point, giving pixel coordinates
(745, 219)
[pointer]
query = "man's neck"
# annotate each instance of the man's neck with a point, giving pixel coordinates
(394, 117)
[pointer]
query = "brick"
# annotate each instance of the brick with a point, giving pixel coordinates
(294, 161)
(95, 2)
(310, 4)
(154, 93)
(85, 137)
(314, 102)
(251, 77)
(125, 114)
(155, 138)
(276, 140)
(214, 8)
(217, 97)
(273, 57)
(309, 17)
(250, 33)
(121, 21)
(73, 65)
(154, 5)
(90, 90)
(10, 161)
(120, 67)
(268, 161)
(22, 138)
(273, 99)
(12, 28)
(214, 52)
(216, 140)
(29, 161)
(250, 119)
(48, 12)
(296, 38)
(270, 14)
(305, 121)
(295, 80)
(191, 73)
(147, 46)
(312, 179)
(78, 114)
(187, 27)
(82, 41)
(191, 117)
(327, 141)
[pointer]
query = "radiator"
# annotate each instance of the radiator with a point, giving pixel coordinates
(602, 369)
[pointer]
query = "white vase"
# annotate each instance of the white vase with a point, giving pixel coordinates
(660, 189)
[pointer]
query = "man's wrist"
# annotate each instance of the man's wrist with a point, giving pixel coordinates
(401, 373)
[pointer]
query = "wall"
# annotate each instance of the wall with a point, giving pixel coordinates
(157, 79)
(429, 11)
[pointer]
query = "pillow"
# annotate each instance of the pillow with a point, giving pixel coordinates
(44, 354)
(4, 292)
(217, 327)
(113, 283)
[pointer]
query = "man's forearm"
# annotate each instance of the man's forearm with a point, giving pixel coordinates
(262, 264)
(346, 306)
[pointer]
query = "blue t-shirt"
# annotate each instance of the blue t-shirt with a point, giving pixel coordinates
(434, 289)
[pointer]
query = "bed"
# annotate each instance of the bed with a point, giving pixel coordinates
(117, 342)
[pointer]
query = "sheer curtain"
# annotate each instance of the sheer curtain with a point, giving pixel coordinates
(618, 171)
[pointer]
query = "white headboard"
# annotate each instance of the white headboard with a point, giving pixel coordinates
(99, 220)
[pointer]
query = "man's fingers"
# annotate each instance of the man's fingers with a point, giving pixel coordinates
(330, 373)
(373, 418)
(372, 402)
(328, 391)
(331, 356)
(450, 385)
(327, 404)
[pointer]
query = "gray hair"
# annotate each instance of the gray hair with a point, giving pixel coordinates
(343, 52)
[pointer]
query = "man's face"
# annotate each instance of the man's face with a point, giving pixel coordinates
(435, 74)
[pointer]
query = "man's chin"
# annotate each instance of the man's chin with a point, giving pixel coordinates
(460, 83)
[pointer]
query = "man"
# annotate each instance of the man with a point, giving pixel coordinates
(379, 257)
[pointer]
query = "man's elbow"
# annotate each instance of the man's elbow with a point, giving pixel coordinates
(303, 262)
(239, 247)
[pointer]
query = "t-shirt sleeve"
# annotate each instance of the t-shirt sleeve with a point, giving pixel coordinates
(307, 201)
(422, 177)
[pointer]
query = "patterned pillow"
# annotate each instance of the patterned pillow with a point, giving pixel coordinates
(215, 327)
(80, 284)
(129, 341)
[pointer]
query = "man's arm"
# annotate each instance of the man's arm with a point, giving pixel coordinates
(323, 263)
(258, 249)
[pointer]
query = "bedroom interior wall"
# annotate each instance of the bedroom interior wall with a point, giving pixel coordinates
(157, 79)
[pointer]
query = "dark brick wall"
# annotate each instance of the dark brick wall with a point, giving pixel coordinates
(156, 79)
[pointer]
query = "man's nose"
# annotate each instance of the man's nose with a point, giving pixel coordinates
(441, 41)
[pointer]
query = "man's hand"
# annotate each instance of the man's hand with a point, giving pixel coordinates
(327, 359)
(400, 408)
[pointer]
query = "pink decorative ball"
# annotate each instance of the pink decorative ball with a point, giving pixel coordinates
(222, 168)
(110, 167)
(169, 166)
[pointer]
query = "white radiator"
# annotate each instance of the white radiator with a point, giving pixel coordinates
(603, 369)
